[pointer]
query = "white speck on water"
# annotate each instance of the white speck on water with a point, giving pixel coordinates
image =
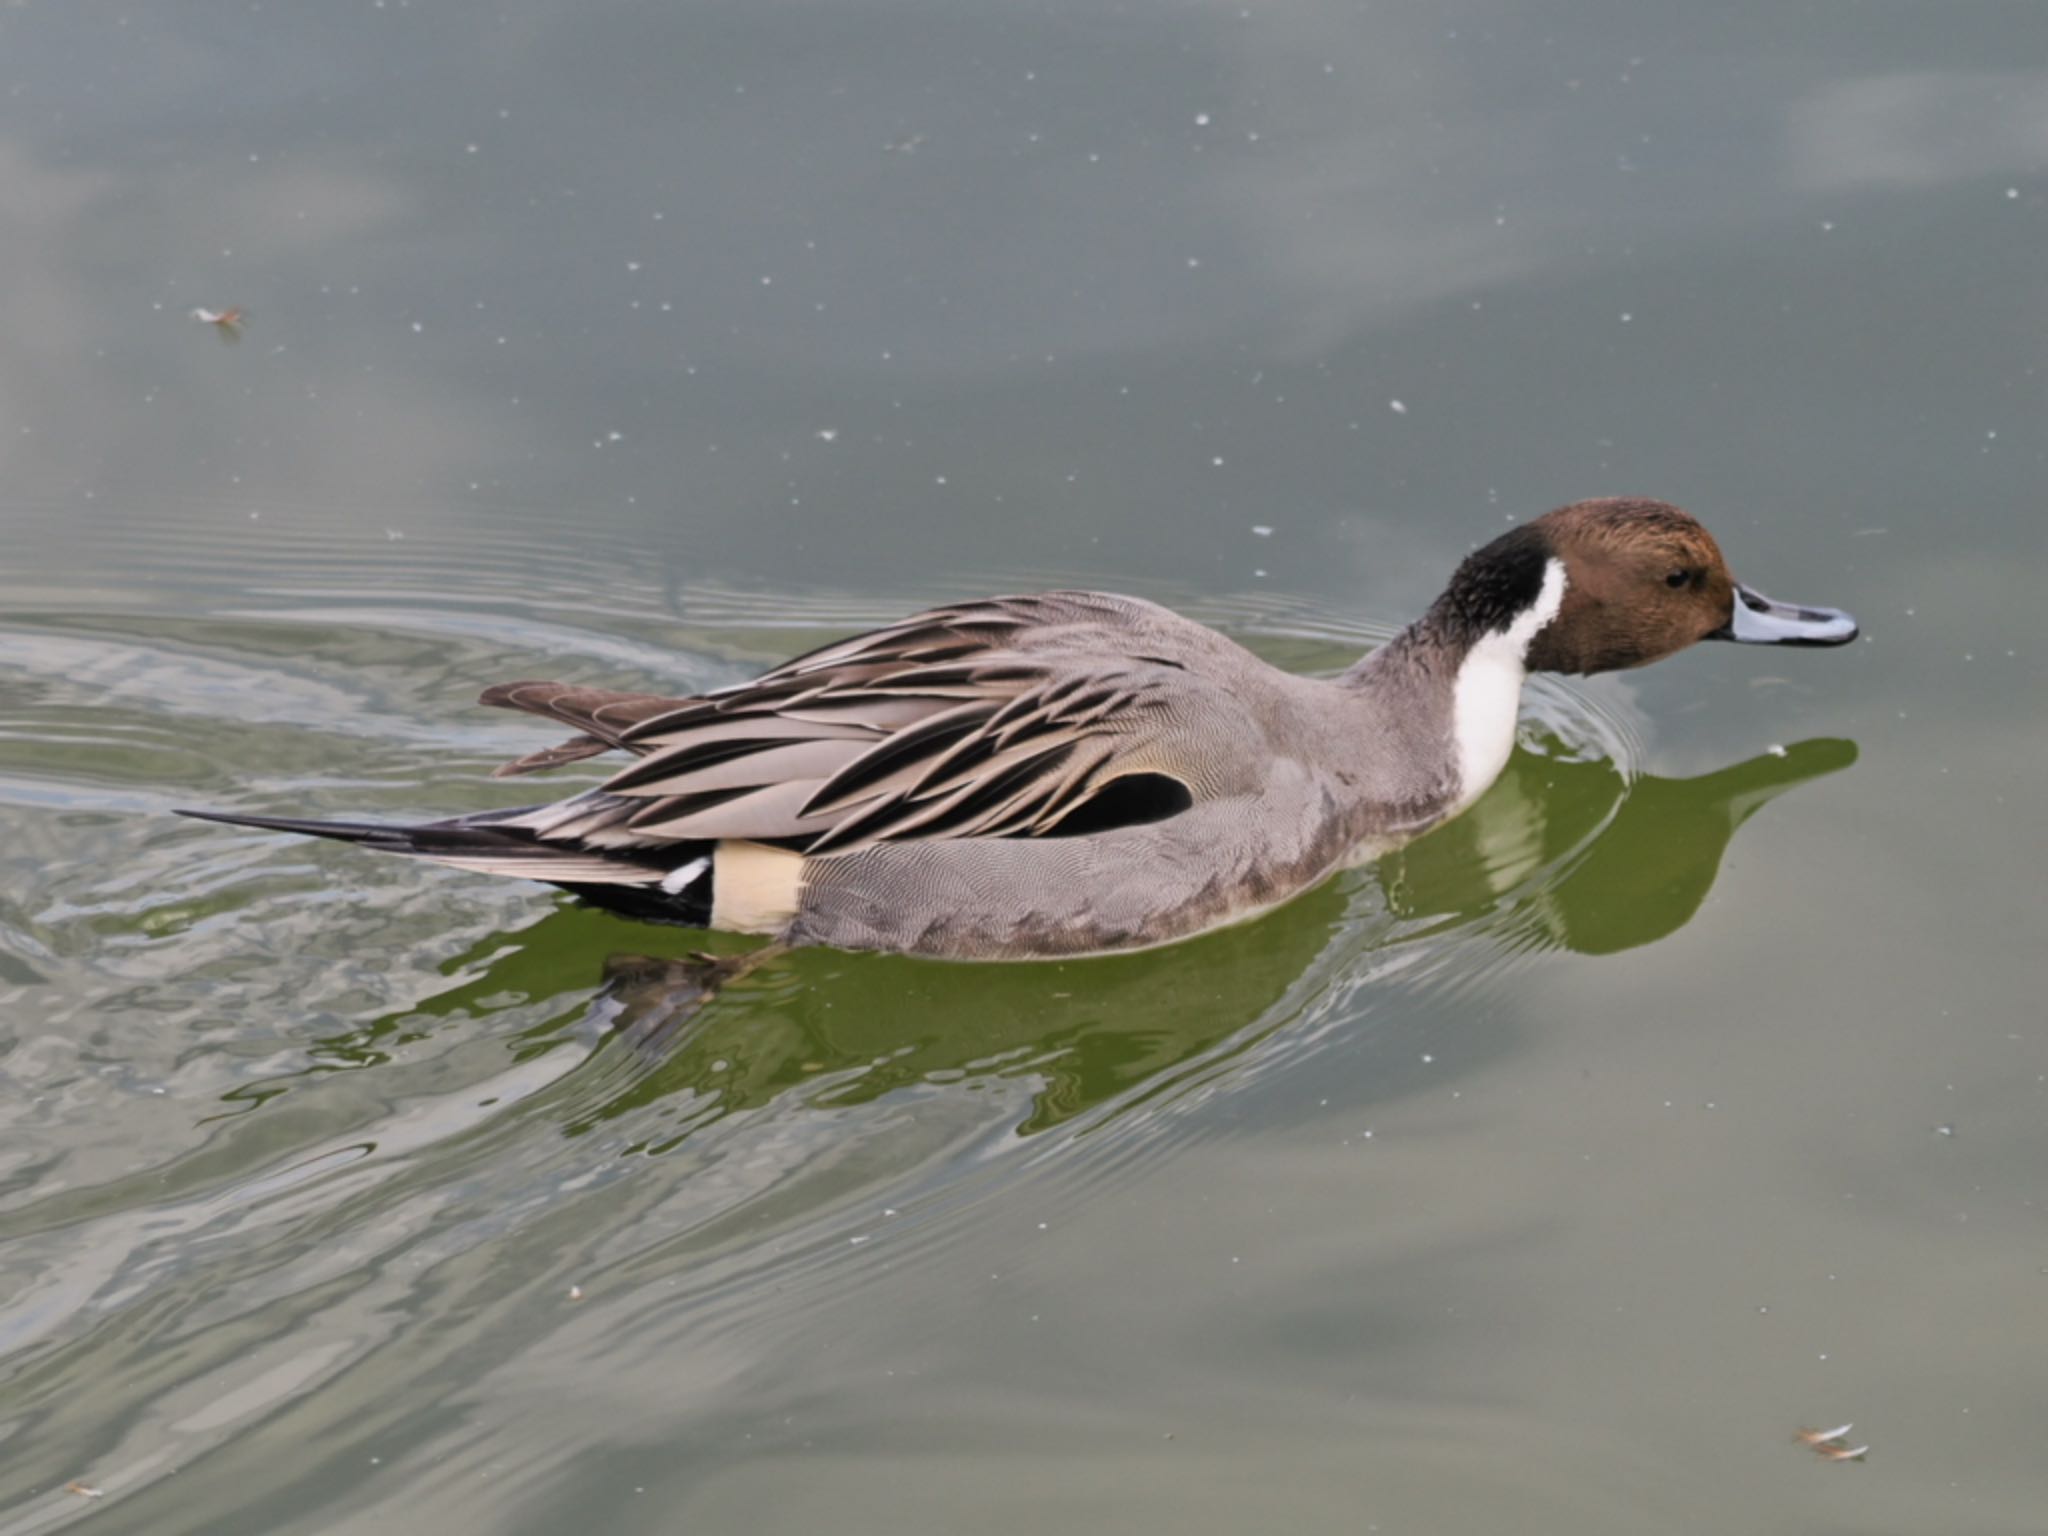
(632, 266)
(2011, 193)
(857, 1241)
(1626, 317)
(828, 434)
(1776, 750)
(1201, 119)
(1827, 226)
(1397, 407)
(575, 1293)
(1262, 530)
(615, 437)
(472, 149)
(1427, 1058)
(938, 479)
(766, 280)
(1217, 461)
(1194, 262)
(1259, 572)
(417, 328)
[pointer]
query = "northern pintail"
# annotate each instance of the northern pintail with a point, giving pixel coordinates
(1074, 773)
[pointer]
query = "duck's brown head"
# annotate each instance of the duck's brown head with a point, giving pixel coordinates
(1643, 580)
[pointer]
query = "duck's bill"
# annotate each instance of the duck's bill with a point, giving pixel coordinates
(1758, 620)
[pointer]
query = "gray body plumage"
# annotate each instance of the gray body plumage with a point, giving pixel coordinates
(1077, 772)
(923, 772)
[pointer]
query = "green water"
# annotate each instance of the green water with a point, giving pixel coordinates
(1543, 1177)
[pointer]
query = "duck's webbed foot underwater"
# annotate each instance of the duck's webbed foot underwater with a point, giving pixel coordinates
(649, 1001)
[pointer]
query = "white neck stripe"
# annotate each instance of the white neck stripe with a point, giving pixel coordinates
(1531, 619)
(1487, 698)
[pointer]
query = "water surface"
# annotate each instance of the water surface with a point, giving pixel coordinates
(1543, 1176)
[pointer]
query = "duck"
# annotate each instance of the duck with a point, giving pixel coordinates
(1073, 773)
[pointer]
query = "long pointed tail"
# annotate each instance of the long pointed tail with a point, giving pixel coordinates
(394, 839)
(484, 843)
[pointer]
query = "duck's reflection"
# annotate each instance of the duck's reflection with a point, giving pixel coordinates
(1587, 862)
(1560, 852)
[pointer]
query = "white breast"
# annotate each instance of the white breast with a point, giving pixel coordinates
(1488, 696)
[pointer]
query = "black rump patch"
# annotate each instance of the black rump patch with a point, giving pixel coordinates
(648, 904)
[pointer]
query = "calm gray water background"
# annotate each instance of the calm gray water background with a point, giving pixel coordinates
(1543, 1179)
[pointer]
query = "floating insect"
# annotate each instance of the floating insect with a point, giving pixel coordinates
(1833, 1444)
(84, 1492)
(228, 322)
(1820, 1437)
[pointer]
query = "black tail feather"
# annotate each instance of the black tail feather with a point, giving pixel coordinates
(372, 834)
(487, 843)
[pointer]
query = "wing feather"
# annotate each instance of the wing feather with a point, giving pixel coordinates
(996, 719)
(600, 716)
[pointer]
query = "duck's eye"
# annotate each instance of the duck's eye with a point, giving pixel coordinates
(1677, 579)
